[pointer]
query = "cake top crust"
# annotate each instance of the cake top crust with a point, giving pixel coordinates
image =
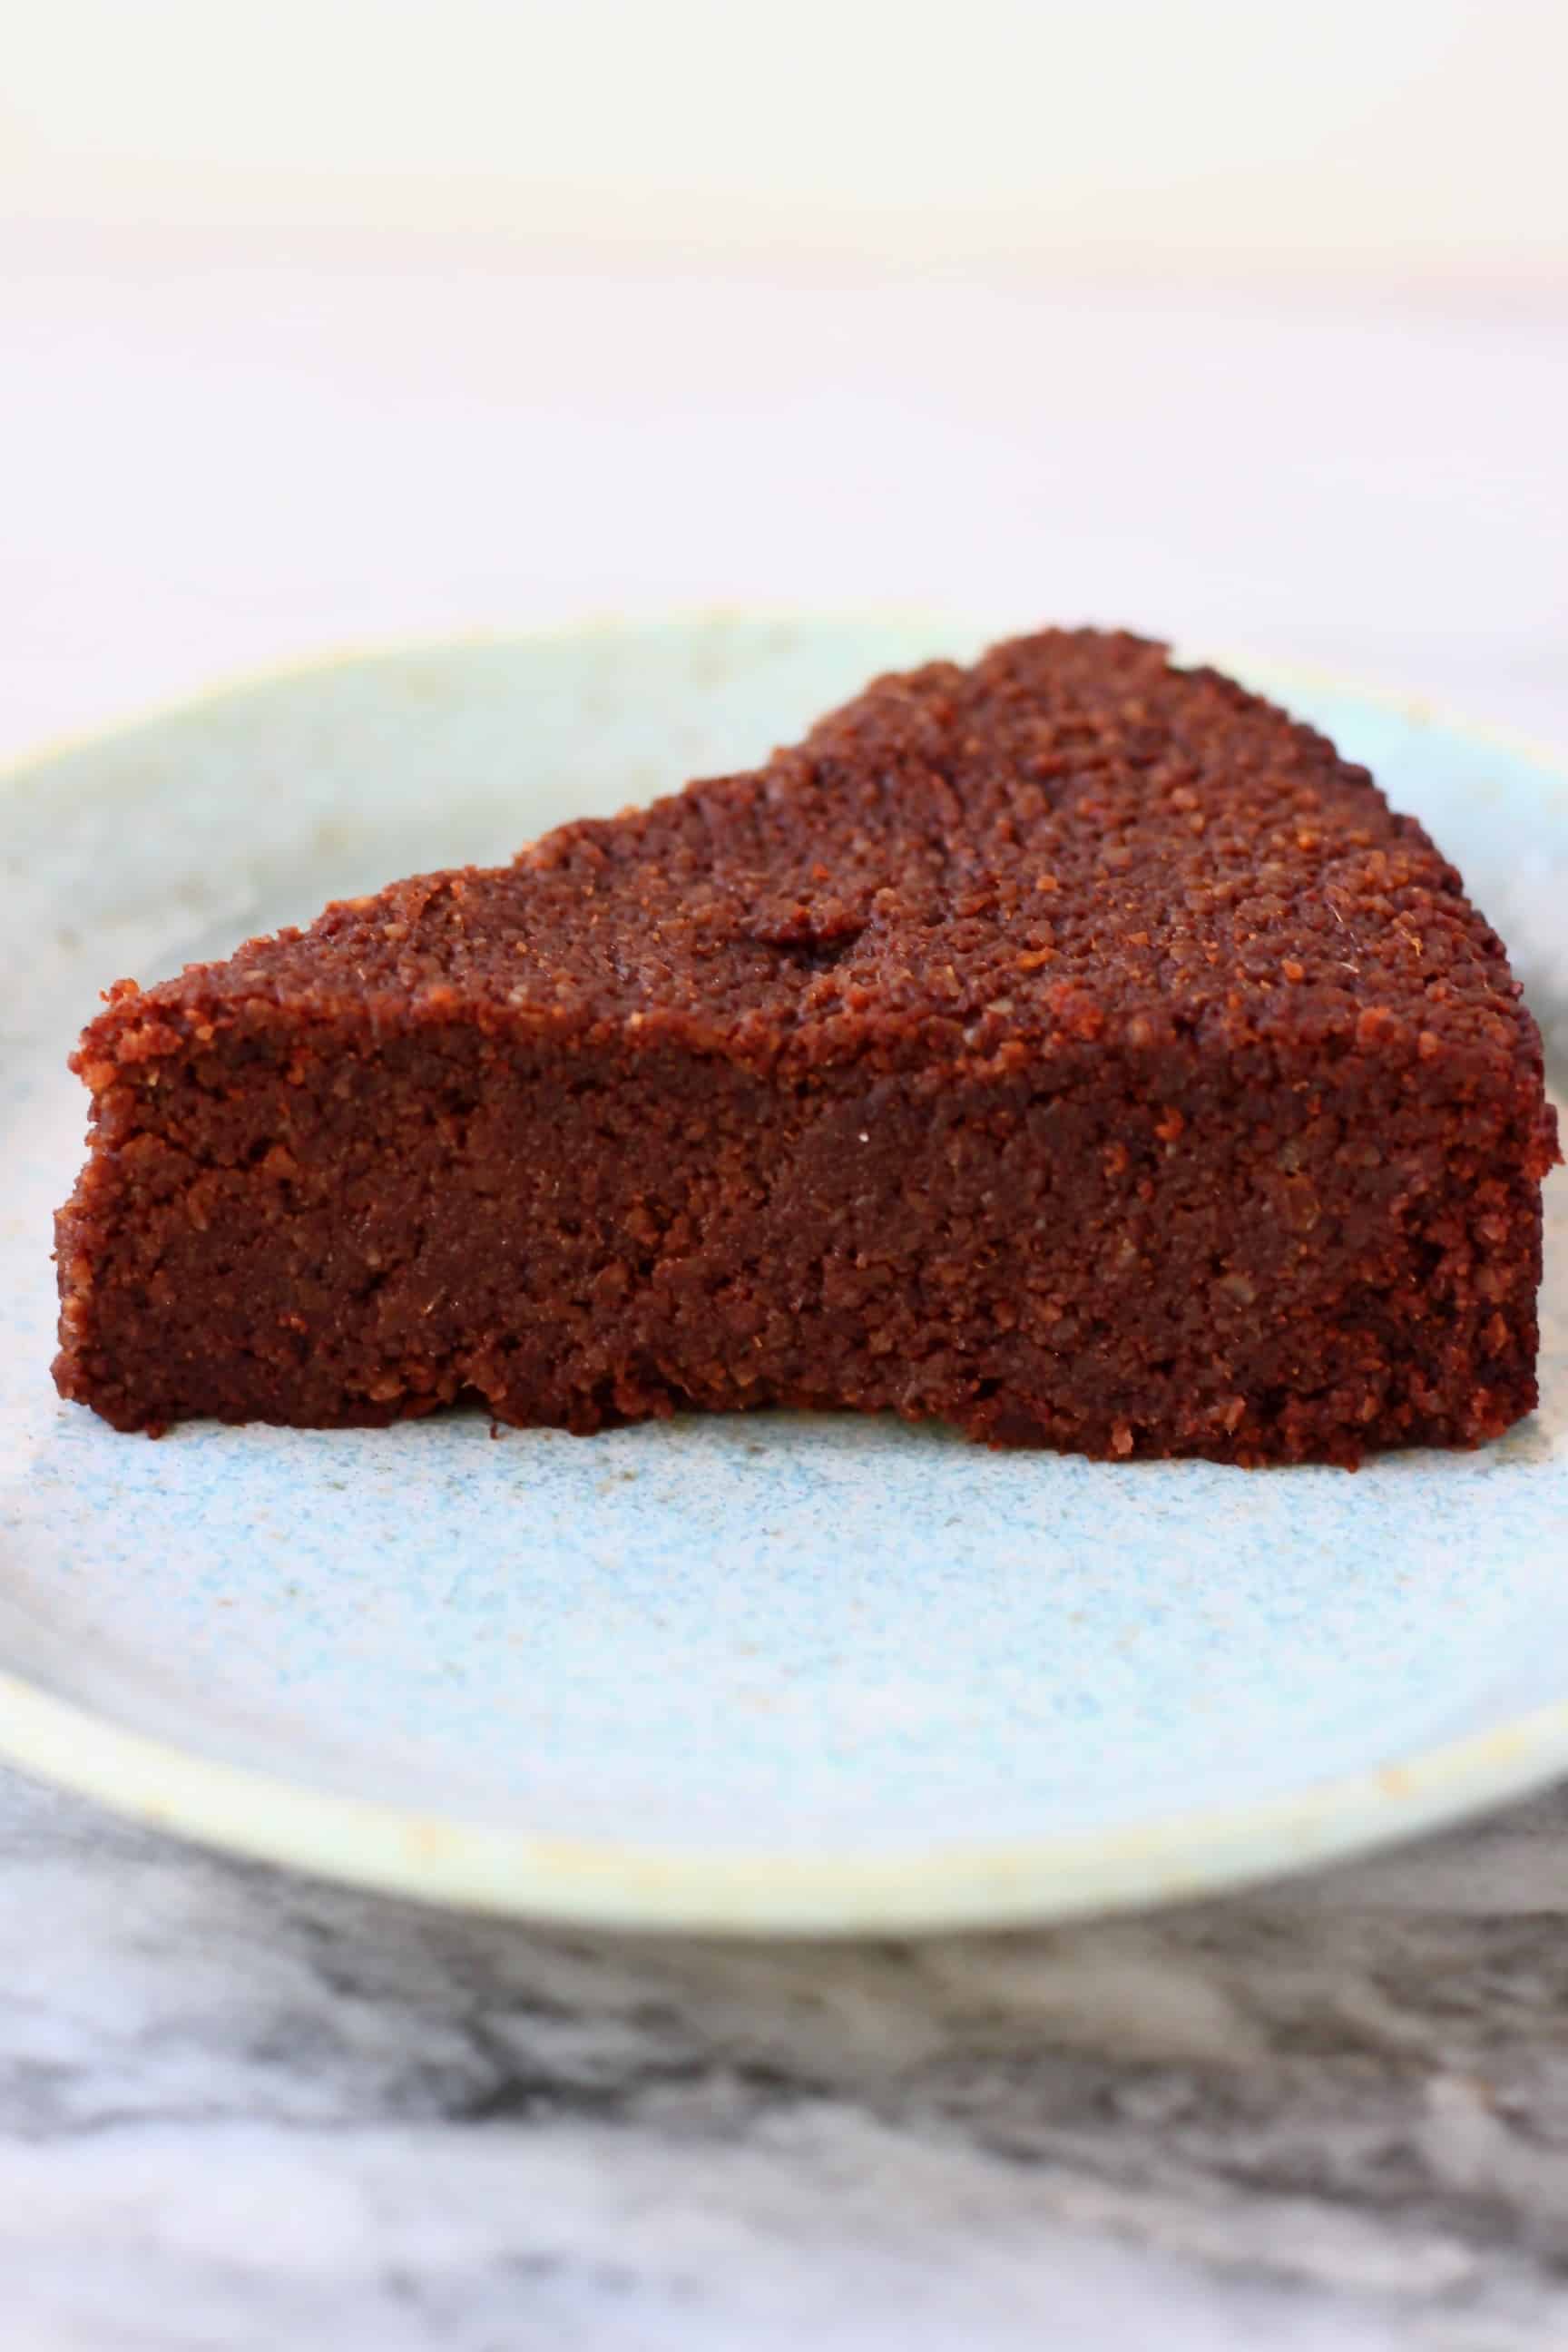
(1071, 844)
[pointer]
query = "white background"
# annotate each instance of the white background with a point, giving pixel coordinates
(343, 319)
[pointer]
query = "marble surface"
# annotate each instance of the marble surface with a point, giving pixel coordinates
(239, 2111)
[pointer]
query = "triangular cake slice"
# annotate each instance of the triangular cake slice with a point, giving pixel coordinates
(1071, 1048)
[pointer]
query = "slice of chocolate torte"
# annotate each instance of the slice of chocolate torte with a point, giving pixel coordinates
(1072, 1048)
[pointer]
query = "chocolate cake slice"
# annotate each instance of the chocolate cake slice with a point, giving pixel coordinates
(1072, 1048)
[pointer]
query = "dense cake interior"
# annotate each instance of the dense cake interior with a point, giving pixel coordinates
(1072, 1048)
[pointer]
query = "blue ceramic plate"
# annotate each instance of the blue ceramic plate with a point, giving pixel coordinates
(761, 1673)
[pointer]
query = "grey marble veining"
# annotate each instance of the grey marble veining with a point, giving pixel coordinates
(240, 2111)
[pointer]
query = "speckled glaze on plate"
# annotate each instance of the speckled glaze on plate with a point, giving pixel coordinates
(763, 1673)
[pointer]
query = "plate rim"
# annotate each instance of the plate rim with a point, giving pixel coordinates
(64, 743)
(459, 1863)
(455, 1863)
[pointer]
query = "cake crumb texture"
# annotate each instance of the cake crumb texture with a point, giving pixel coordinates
(1071, 1048)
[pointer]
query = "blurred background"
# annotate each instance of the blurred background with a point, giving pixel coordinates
(333, 320)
